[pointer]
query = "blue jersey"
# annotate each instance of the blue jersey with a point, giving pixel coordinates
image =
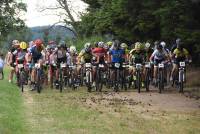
(117, 55)
(36, 54)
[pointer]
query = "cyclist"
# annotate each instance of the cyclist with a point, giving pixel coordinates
(21, 58)
(159, 56)
(178, 55)
(60, 57)
(137, 56)
(11, 56)
(117, 55)
(124, 47)
(148, 51)
(1, 66)
(35, 53)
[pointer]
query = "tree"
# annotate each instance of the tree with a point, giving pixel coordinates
(9, 16)
(68, 13)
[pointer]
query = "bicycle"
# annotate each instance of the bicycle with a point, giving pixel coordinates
(72, 77)
(61, 76)
(179, 77)
(125, 80)
(88, 75)
(99, 77)
(147, 75)
(138, 76)
(22, 76)
(160, 77)
(117, 68)
(39, 77)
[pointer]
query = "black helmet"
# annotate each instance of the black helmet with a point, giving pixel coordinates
(116, 44)
(178, 41)
(159, 46)
(62, 44)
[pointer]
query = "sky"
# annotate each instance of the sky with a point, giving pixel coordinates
(34, 17)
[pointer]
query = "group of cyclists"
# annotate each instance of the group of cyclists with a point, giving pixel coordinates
(59, 61)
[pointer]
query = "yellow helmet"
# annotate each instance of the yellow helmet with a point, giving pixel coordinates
(124, 45)
(23, 45)
(138, 45)
(109, 43)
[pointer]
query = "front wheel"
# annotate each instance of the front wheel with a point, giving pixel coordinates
(138, 81)
(161, 81)
(181, 73)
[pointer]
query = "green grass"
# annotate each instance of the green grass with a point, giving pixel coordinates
(11, 109)
(52, 112)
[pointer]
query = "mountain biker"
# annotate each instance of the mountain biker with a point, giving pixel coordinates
(159, 56)
(117, 55)
(1, 66)
(11, 56)
(180, 54)
(21, 58)
(137, 56)
(35, 53)
(148, 51)
(124, 47)
(60, 57)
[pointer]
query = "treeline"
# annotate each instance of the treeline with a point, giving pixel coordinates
(145, 20)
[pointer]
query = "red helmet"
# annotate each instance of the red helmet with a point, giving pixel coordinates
(38, 42)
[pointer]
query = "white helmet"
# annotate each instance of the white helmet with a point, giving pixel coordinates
(163, 44)
(147, 45)
(72, 49)
(101, 44)
(87, 45)
(15, 42)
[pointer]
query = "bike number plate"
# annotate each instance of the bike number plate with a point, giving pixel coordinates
(148, 65)
(20, 65)
(182, 64)
(88, 65)
(37, 65)
(117, 65)
(138, 66)
(63, 65)
(161, 65)
(101, 65)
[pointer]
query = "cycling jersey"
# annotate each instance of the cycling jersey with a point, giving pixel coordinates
(36, 54)
(117, 55)
(137, 56)
(86, 56)
(178, 53)
(159, 55)
(1, 63)
(99, 52)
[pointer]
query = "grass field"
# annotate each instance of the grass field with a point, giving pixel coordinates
(78, 112)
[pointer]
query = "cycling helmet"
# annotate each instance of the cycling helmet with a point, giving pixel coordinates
(87, 45)
(178, 40)
(72, 49)
(101, 44)
(116, 44)
(159, 47)
(23, 45)
(163, 44)
(62, 44)
(38, 42)
(180, 46)
(15, 42)
(109, 43)
(147, 45)
(124, 45)
(138, 45)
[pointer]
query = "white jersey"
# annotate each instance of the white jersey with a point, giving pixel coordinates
(159, 55)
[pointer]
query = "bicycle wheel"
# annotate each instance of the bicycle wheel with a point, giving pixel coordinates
(38, 83)
(138, 81)
(147, 79)
(21, 79)
(161, 81)
(181, 73)
(88, 79)
(61, 80)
